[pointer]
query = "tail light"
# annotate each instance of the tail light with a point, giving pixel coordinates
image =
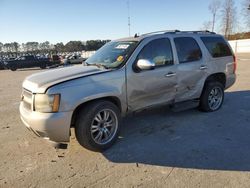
(235, 63)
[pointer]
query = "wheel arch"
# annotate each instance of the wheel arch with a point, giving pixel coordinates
(115, 100)
(219, 77)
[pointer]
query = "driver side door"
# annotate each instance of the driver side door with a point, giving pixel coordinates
(152, 87)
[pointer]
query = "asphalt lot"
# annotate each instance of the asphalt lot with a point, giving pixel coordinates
(157, 148)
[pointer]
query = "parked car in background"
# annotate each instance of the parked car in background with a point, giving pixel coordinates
(127, 75)
(75, 59)
(2, 67)
(28, 61)
(56, 59)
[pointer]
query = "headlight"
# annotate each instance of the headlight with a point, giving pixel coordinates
(46, 103)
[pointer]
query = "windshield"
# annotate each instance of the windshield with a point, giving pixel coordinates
(112, 54)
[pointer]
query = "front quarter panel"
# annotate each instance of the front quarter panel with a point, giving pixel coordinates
(78, 91)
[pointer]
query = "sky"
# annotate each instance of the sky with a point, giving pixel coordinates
(65, 20)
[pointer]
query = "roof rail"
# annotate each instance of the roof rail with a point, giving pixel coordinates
(163, 32)
(201, 31)
(175, 31)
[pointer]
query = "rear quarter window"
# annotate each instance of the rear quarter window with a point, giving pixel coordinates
(217, 46)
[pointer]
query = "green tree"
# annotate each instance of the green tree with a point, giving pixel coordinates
(32, 46)
(59, 47)
(44, 47)
(73, 46)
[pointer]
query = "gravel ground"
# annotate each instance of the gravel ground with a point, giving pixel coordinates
(157, 148)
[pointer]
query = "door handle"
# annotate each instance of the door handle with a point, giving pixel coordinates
(170, 74)
(203, 67)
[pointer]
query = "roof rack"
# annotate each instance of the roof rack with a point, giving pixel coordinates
(163, 32)
(201, 31)
(174, 31)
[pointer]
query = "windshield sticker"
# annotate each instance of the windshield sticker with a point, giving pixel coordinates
(122, 46)
(120, 58)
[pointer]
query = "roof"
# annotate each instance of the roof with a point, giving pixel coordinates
(164, 32)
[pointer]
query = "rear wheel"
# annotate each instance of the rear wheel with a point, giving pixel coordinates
(97, 125)
(212, 97)
(43, 66)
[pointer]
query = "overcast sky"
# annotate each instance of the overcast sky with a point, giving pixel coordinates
(65, 20)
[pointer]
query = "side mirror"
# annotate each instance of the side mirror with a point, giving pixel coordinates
(144, 64)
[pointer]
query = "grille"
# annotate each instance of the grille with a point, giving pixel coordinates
(27, 99)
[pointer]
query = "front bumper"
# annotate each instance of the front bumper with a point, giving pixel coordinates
(51, 126)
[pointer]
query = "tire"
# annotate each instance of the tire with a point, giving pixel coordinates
(13, 68)
(212, 97)
(88, 126)
(43, 66)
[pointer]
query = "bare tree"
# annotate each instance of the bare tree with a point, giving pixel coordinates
(246, 13)
(214, 7)
(228, 17)
(1, 47)
(206, 25)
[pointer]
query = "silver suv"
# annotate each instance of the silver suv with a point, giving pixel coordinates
(124, 76)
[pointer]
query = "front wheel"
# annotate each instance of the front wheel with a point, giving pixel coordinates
(212, 97)
(13, 68)
(97, 125)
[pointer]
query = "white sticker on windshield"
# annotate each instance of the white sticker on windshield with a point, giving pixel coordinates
(122, 46)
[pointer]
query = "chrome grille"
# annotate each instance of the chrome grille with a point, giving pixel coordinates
(27, 99)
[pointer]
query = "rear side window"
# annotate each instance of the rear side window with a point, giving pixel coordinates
(216, 46)
(158, 51)
(187, 49)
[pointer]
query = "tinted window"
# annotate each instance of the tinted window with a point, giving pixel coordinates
(187, 49)
(216, 46)
(158, 51)
(29, 57)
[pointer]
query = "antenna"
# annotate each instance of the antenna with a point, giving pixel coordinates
(128, 5)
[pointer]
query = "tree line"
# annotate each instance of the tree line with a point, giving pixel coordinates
(225, 18)
(47, 47)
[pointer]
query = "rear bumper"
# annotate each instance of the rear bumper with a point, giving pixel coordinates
(51, 126)
(230, 80)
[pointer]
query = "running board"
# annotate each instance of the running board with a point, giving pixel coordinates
(186, 105)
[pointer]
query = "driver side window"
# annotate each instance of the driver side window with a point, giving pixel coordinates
(158, 51)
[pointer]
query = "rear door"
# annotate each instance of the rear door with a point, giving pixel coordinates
(191, 68)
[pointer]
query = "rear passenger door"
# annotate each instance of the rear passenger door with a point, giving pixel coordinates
(191, 68)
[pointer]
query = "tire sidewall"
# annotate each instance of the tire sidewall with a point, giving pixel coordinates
(13, 68)
(84, 121)
(204, 105)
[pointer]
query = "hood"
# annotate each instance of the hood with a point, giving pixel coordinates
(39, 82)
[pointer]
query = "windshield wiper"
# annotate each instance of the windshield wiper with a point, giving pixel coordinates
(97, 65)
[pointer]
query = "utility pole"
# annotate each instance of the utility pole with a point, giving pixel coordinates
(248, 7)
(128, 5)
